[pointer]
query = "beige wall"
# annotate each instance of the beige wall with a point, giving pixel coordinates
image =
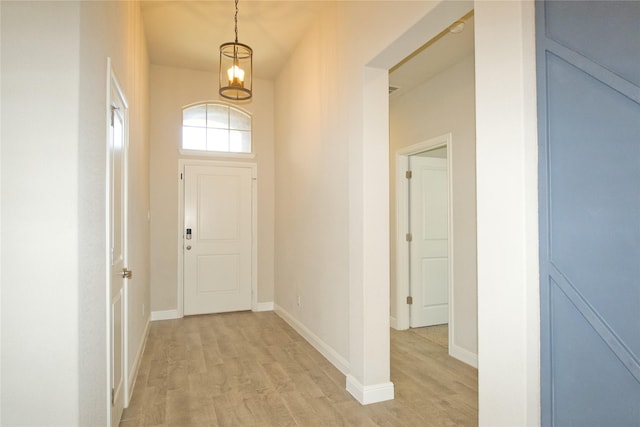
(0, 220)
(444, 104)
(54, 134)
(115, 30)
(324, 253)
(40, 282)
(311, 153)
(139, 286)
(171, 89)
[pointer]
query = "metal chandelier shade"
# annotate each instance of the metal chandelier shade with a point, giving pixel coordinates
(236, 69)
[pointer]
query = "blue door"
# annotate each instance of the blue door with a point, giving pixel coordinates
(588, 56)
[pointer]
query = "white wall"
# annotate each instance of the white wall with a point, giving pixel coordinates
(506, 150)
(506, 173)
(311, 155)
(54, 132)
(331, 224)
(170, 90)
(115, 30)
(444, 104)
(331, 109)
(0, 215)
(139, 204)
(40, 213)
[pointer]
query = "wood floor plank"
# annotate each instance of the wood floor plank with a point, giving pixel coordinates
(252, 369)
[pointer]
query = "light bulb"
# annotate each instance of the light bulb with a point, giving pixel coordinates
(236, 76)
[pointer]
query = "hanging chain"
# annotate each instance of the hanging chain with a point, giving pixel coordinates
(236, 19)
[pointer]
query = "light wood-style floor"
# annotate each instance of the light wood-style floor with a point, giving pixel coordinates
(252, 369)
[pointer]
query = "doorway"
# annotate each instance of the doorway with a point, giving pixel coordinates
(424, 252)
(429, 244)
(507, 204)
(443, 104)
(118, 273)
(217, 254)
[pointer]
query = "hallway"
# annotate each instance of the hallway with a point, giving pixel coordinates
(253, 369)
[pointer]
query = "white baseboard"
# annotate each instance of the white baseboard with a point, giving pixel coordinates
(327, 351)
(164, 315)
(463, 355)
(136, 366)
(399, 323)
(263, 306)
(393, 322)
(370, 393)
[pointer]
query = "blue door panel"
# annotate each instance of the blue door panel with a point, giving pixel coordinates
(606, 32)
(594, 220)
(588, 384)
(588, 67)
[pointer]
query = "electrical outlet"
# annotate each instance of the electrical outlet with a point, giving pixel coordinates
(299, 301)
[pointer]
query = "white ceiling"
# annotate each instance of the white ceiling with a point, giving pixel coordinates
(188, 34)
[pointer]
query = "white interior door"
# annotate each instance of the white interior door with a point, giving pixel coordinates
(217, 239)
(429, 227)
(118, 252)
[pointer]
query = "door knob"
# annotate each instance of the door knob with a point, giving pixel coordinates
(188, 247)
(126, 274)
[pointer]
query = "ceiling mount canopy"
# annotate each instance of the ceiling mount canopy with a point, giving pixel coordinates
(236, 68)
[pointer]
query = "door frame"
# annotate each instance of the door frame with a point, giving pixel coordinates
(111, 86)
(402, 225)
(254, 225)
(506, 135)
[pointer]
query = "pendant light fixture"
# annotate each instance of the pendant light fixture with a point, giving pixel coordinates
(236, 68)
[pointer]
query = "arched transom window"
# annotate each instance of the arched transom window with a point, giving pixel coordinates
(216, 127)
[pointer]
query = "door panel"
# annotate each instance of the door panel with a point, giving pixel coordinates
(596, 389)
(218, 273)
(217, 258)
(433, 179)
(605, 32)
(429, 222)
(435, 270)
(219, 207)
(596, 194)
(589, 119)
(118, 249)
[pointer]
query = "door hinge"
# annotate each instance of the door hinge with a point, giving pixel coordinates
(409, 300)
(113, 113)
(408, 174)
(113, 397)
(409, 237)
(180, 176)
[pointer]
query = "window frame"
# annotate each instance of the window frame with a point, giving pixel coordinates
(207, 153)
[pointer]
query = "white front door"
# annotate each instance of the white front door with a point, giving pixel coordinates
(217, 239)
(118, 251)
(429, 227)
